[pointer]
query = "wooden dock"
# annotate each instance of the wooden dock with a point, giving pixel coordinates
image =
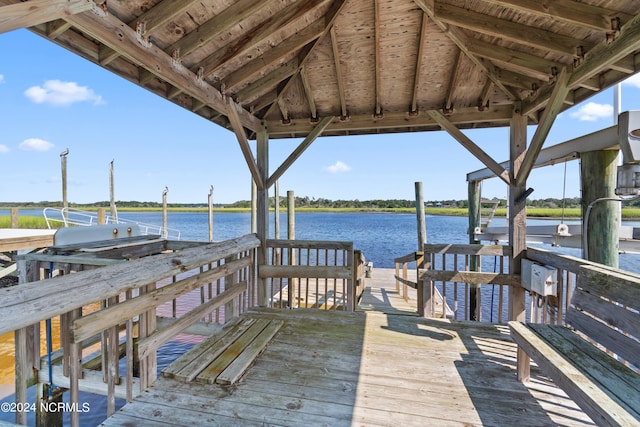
(378, 366)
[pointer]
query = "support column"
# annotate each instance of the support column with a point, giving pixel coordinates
(473, 195)
(517, 227)
(262, 210)
(422, 224)
(599, 174)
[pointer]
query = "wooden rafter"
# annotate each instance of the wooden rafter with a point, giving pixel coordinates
(313, 135)
(378, 58)
(569, 11)
(518, 80)
(344, 113)
(308, 93)
(55, 28)
(453, 78)
(549, 115)
(413, 109)
(256, 36)
(267, 83)
(217, 25)
(271, 56)
(461, 40)
(596, 61)
(508, 30)
(483, 101)
(233, 110)
(467, 143)
(160, 14)
(527, 63)
(35, 12)
(112, 32)
(329, 18)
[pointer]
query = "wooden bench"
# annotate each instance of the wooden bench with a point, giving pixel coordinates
(604, 312)
(225, 357)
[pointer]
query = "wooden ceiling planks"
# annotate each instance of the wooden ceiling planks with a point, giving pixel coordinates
(390, 63)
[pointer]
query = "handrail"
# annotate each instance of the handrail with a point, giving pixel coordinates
(127, 294)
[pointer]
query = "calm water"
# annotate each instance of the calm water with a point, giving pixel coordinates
(380, 236)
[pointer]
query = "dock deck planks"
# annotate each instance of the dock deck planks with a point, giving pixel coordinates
(367, 368)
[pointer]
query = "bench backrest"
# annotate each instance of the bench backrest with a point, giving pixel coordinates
(606, 308)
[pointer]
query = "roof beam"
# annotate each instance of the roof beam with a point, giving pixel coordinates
(378, 58)
(344, 113)
(568, 11)
(467, 143)
(254, 37)
(117, 35)
(35, 12)
(263, 85)
(518, 80)
(525, 62)
(271, 56)
(217, 25)
(549, 115)
(317, 131)
(453, 78)
(490, 25)
(160, 14)
(308, 93)
(233, 110)
(329, 18)
(416, 83)
(462, 41)
(605, 55)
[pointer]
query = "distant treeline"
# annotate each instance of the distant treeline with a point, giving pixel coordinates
(311, 202)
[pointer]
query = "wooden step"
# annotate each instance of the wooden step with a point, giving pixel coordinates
(224, 357)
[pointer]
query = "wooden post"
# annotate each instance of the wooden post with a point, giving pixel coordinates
(63, 160)
(599, 174)
(101, 215)
(262, 210)
(276, 209)
(254, 207)
(210, 203)
(291, 235)
(517, 227)
(164, 212)
(15, 223)
(474, 221)
(421, 222)
(112, 197)
(46, 418)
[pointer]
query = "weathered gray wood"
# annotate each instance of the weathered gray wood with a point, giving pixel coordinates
(474, 277)
(98, 321)
(617, 286)
(240, 364)
(305, 271)
(495, 250)
(604, 408)
(52, 297)
(156, 339)
(21, 15)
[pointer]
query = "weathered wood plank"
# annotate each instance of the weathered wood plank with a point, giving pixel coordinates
(305, 271)
(220, 363)
(98, 321)
(238, 367)
(190, 364)
(310, 244)
(34, 301)
(23, 15)
(462, 249)
(474, 277)
(588, 395)
(615, 286)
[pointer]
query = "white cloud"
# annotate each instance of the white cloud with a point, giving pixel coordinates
(4, 149)
(35, 144)
(1, 79)
(631, 81)
(592, 112)
(338, 167)
(59, 93)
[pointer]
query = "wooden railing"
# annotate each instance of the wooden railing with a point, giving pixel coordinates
(310, 274)
(110, 313)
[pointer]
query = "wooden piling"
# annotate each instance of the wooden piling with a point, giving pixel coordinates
(165, 232)
(599, 174)
(15, 222)
(262, 212)
(291, 235)
(474, 196)
(210, 205)
(420, 218)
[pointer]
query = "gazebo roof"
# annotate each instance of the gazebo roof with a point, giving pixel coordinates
(344, 67)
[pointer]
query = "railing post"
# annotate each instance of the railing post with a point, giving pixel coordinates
(15, 223)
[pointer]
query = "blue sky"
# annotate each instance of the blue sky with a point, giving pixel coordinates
(51, 100)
